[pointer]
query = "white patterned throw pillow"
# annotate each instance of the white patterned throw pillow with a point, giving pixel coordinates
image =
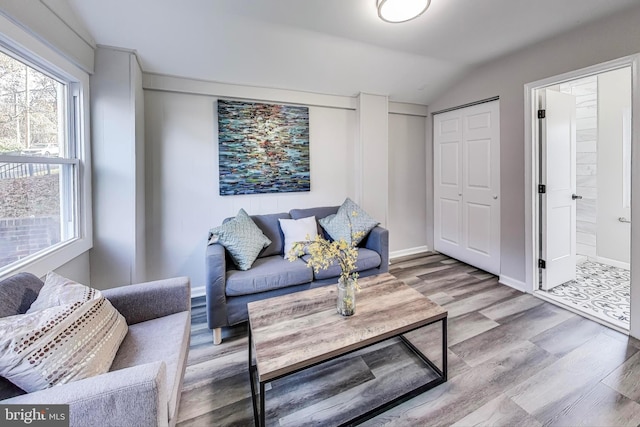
(60, 344)
(242, 238)
(58, 290)
(350, 223)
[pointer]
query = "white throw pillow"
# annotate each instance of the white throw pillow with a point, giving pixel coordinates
(58, 290)
(60, 344)
(298, 230)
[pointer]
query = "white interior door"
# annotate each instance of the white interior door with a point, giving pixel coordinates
(558, 169)
(467, 185)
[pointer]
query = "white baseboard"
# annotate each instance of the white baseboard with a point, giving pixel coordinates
(611, 262)
(407, 252)
(513, 283)
(200, 291)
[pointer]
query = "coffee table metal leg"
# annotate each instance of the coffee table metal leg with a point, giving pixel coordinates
(253, 387)
(262, 414)
(444, 349)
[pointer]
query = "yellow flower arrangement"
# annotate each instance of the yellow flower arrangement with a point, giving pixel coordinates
(324, 253)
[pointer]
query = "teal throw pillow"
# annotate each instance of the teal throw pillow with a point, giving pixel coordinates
(337, 226)
(350, 223)
(242, 238)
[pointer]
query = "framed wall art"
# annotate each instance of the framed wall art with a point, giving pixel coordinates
(262, 148)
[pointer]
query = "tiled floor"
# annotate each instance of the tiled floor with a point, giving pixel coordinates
(599, 290)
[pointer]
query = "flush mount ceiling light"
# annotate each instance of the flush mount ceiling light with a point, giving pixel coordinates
(396, 11)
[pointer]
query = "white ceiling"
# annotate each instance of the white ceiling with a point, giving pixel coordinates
(329, 46)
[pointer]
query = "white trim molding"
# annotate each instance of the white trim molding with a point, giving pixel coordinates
(199, 291)
(166, 83)
(612, 262)
(513, 283)
(406, 252)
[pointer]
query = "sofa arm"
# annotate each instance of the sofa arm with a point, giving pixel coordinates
(135, 396)
(378, 240)
(151, 300)
(216, 265)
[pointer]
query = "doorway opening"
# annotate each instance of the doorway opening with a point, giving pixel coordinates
(581, 211)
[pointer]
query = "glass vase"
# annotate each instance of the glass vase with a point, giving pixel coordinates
(346, 305)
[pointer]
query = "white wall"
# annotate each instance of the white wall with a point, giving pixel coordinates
(607, 39)
(407, 184)
(182, 193)
(372, 156)
(586, 92)
(117, 257)
(183, 200)
(614, 97)
(77, 269)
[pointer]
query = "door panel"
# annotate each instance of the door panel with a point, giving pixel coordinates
(479, 227)
(449, 161)
(558, 144)
(479, 161)
(471, 206)
(450, 230)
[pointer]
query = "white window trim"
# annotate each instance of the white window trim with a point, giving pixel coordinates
(28, 45)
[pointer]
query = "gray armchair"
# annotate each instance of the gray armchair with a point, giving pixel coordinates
(144, 383)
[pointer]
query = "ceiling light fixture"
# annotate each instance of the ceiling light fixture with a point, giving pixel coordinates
(396, 11)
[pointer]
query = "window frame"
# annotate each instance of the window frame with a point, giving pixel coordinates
(30, 49)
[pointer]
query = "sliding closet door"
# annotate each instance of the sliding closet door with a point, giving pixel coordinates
(467, 185)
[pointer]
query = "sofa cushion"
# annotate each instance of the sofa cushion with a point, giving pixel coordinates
(270, 226)
(266, 274)
(60, 344)
(367, 259)
(298, 230)
(58, 290)
(337, 226)
(17, 293)
(350, 223)
(162, 339)
(242, 238)
(320, 212)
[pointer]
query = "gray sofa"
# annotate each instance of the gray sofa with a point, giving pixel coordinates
(144, 383)
(229, 289)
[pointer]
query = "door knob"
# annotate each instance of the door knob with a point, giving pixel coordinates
(495, 197)
(576, 197)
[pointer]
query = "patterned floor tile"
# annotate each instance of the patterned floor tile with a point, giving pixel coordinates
(599, 290)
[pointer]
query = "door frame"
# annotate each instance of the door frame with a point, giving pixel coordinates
(531, 138)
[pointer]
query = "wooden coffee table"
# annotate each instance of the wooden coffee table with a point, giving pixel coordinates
(296, 331)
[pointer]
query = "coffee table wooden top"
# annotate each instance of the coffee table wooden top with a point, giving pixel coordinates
(297, 330)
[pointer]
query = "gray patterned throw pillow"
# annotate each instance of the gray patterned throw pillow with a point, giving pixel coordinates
(242, 238)
(350, 221)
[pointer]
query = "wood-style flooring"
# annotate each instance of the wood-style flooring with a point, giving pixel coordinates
(514, 360)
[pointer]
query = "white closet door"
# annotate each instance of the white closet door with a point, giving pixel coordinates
(467, 185)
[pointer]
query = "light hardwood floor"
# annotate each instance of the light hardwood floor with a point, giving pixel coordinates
(514, 360)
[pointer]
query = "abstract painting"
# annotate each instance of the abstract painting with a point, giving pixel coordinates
(262, 148)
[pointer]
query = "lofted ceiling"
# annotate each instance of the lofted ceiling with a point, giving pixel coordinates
(329, 46)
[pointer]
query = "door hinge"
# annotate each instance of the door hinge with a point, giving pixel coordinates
(542, 263)
(542, 188)
(542, 114)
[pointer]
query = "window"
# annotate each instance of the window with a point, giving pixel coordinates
(40, 162)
